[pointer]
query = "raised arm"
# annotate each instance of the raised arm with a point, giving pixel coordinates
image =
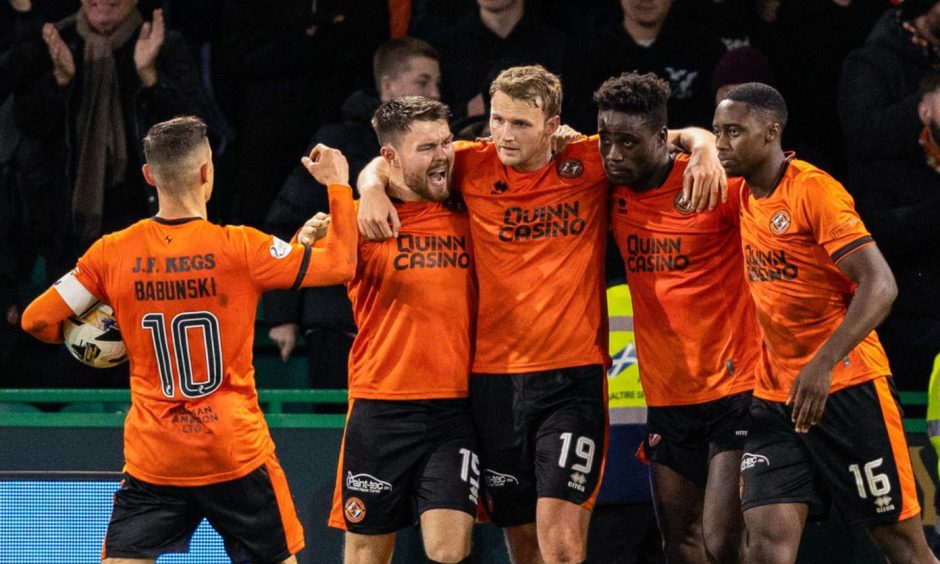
(704, 181)
(378, 219)
(335, 261)
(869, 306)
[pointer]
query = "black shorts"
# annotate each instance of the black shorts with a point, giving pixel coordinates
(856, 457)
(254, 515)
(542, 434)
(401, 458)
(686, 437)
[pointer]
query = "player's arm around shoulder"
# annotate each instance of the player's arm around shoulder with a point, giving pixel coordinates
(704, 183)
(334, 260)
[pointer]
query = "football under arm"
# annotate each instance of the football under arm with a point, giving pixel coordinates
(334, 260)
(871, 303)
(44, 316)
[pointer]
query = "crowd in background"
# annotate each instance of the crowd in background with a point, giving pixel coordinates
(79, 88)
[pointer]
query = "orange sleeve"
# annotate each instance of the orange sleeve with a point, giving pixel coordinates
(44, 316)
(830, 209)
(335, 262)
(276, 264)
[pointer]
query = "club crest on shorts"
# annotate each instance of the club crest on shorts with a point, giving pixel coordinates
(653, 439)
(682, 206)
(570, 168)
(354, 510)
(780, 222)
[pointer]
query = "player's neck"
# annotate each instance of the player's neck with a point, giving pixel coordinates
(504, 21)
(641, 33)
(399, 190)
(178, 207)
(765, 179)
(657, 176)
(536, 162)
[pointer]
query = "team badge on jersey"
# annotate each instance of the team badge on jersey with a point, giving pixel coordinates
(280, 249)
(570, 168)
(500, 187)
(780, 222)
(682, 206)
(354, 509)
(621, 205)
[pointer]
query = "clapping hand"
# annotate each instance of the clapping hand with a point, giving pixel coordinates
(148, 47)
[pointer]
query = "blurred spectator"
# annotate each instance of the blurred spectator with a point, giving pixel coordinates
(269, 60)
(585, 20)
(402, 67)
(649, 38)
(428, 16)
(737, 66)
(889, 124)
(475, 48)
(736, 22)
(86, 89)
(806, 42)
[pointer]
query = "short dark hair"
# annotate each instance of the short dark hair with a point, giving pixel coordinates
(761, 98)
(171, 140)
(635, 93)
(393, 118)
(168, 147)
(393, 56)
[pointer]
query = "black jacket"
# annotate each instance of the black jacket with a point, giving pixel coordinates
(683, 55)
(47, 114)
(300, 198)
(895, 191)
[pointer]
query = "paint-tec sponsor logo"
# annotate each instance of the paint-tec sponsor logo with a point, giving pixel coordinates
(577, 481)
(279, 249)
(496, 480)
(366, 484)
(749, 461)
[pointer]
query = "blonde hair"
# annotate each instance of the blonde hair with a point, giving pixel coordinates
(532, 84)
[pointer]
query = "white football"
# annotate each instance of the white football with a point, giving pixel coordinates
(94, 339)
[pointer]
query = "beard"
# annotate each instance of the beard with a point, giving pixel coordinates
(418, 183)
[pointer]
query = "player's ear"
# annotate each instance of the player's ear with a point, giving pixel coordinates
(205, 172)
(773, 132)
(664, 136)
(148, 174)
(390, 156)
(552, 125)
(923, 112)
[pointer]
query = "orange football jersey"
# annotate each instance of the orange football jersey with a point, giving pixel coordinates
(539, 240)
(792, 243)
(185, 295)
(414, 301)
(696, 332)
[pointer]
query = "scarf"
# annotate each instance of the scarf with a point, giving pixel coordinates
(102, 145)
(931, 149)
